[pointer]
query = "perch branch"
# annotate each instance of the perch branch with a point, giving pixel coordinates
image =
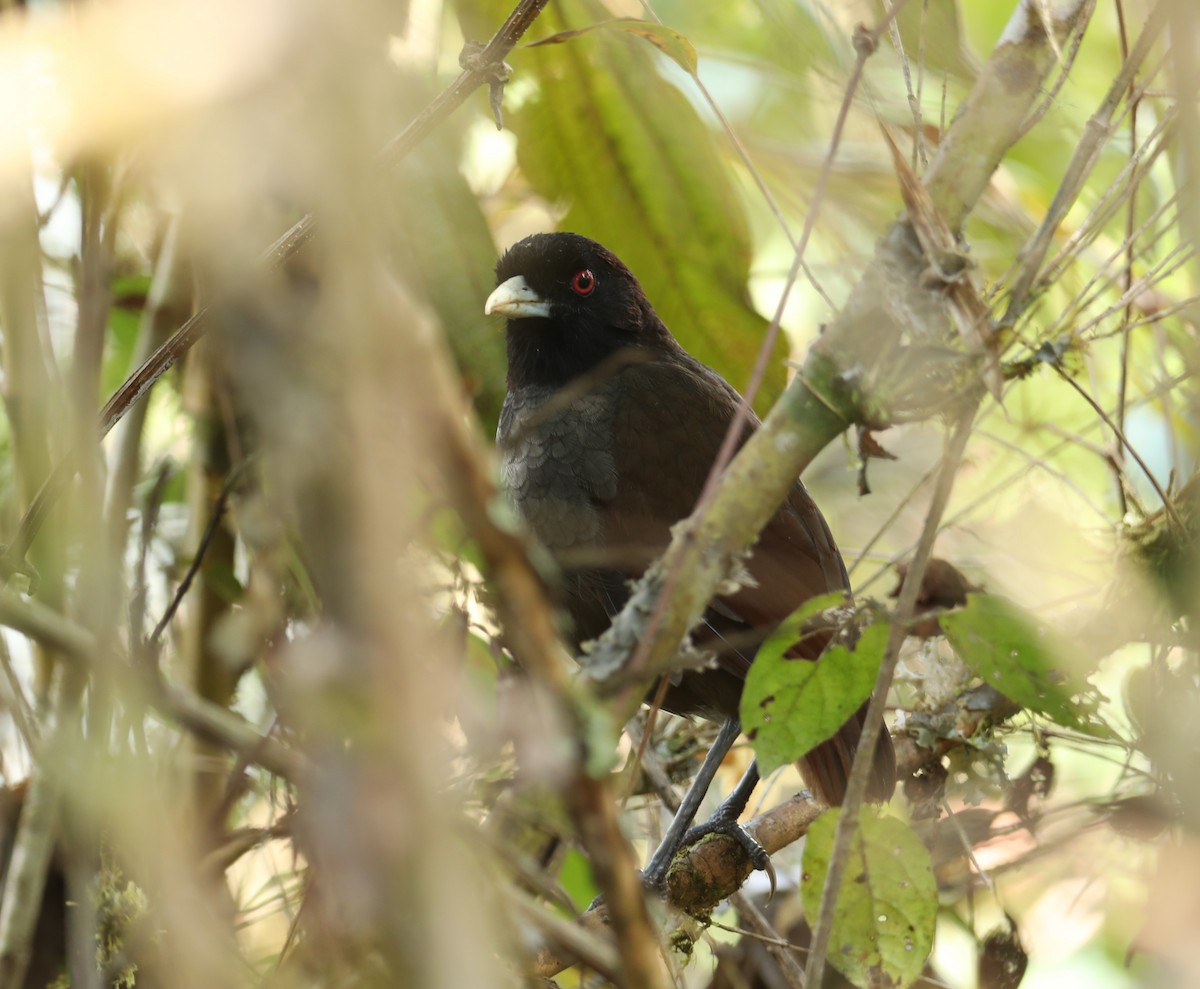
(714, 869)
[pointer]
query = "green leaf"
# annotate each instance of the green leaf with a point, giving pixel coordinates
(452, 270)
(668, 41)
(615, 145)
(124, 321)
(575, 877)
(1005, 647)
(792, 628)
(789, 706)
(887, 906)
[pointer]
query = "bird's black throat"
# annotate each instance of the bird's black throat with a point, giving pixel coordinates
(545, 353)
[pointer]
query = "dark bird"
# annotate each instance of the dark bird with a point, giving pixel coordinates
(606, 437)
(943, 587)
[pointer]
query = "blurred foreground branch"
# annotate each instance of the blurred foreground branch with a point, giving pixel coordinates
(213, 723)
(481, 69)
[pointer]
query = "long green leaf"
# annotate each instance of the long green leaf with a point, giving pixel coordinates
(1005, 647)
(634, 166)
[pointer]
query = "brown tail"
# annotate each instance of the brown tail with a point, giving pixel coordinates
(826, 768)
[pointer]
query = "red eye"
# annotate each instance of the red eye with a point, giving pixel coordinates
(584, 283)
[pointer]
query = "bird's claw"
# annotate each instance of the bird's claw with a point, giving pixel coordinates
(719, 824)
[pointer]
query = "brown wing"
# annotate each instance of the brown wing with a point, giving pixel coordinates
(666, 442)
(666, 439)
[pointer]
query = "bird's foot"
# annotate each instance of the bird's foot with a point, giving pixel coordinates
(722, 823)
(726, 824)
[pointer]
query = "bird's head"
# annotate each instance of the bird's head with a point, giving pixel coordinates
(571, 304)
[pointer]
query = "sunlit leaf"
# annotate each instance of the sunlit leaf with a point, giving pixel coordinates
(124, 317)
(887, 905)
(789, 706)
(575, 877)
(1005, 647)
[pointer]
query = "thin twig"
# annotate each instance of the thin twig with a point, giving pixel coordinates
(214, 723)
(914, 105)
(152, 328)
(997, 489)
(884, 527)
(149, 515)
(740, 149)
(777, 946)
(1139, 161)
(1127, 274)
(865, 46)
(1168, 505)
(210, 531)
(37, 832)
(1065, 65)
(1178, 256)
(1100, 277)
(1096, 132)
(20, 710)
(856, 788)
(924, 159)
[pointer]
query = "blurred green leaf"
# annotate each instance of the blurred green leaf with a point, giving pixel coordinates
(1005, 646)
(124, 317)
(789, 706)
(447, 532)
(670, 42)
(637, 169)
(887, 906)
(445, 250)
(224, 583)
(935, 27)
(577, 880)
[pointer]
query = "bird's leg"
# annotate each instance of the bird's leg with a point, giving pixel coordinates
(724, 821)
(656, 868)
